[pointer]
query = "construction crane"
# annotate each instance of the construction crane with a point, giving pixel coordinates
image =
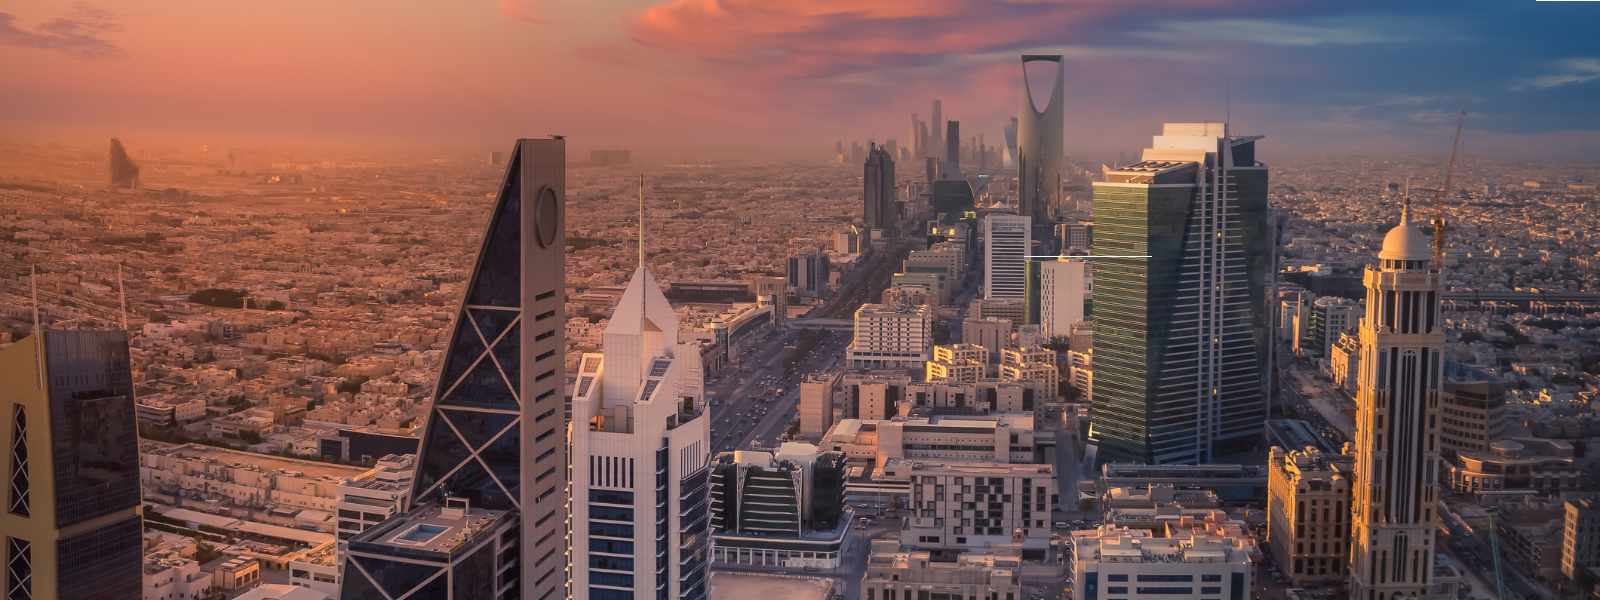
(1444, 192)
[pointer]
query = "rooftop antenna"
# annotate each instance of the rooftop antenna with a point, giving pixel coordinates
(641, 220)
(122, 298)
(1227, 107)
(1444, 193)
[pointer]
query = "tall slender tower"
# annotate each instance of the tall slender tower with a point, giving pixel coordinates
(1040, 146)
(936, 129)
(72, 519)
(489, 492)
(878, 208)
(1395, 501)
(640, 454)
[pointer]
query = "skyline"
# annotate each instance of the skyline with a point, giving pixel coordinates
(736, 77)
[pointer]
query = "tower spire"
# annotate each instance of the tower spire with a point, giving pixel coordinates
(641, 220)
(1405, 208)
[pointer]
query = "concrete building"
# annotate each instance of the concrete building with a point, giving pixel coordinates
(372, 497)
(640, 458)
(1080, 374)
(891, 337)
(1329, 316)
(1534, 465)
(808, 273)
(783, 508)
(991, 333)
(1181, 328)
(998, 438)
(1063, 284)
(1007, 241)
(816, 403)
(874, 394)
(958, 363)
(1396, 492)
(1580, 537)
(1471, 410)
(73, 518)
(1308, 514)
(896, 573)
(1040, 144)
(1344, 361)
(964, 505)
(1194, 559)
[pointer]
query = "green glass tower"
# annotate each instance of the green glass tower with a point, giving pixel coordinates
(1180, 285)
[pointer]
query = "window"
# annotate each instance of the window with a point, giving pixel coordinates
(19, 461)
(19, 570)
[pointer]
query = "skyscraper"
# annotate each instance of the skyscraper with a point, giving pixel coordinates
(1006, 239)
(124, 172)
(1039, 145)
(936, 144)
(914, 139)
(1009, 156)
(1396, 493)
(878, 208)
(72, 519)
(952, 151)
(487, 506)
(640, 454)
(1179, 293)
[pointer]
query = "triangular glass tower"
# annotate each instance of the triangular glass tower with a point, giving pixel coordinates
(488, 496)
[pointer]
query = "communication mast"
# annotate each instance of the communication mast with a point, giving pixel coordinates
(1443, 195)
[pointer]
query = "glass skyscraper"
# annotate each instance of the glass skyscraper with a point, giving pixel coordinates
(1182, 258)
(487, 512)
(72, 521)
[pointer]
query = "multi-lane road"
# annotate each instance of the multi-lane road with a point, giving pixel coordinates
(755, 402)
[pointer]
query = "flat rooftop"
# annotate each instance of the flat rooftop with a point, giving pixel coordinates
(740, 586)
(263, 462)
(436, 529)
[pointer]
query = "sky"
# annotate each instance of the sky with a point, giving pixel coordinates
(678, 78)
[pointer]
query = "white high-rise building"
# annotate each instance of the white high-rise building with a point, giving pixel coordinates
(1395, 498)
(1062, 286)
(891, 337)
(1006, 240)
(640, 453)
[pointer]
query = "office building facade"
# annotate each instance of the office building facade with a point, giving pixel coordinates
(1063, 285)
(960, 505)
(891, 337)
(1179, 286)
(1040, 144)
(640, 451)
(72, 519)
(1007, 240)
(808, 273)
(1396, 491)
(783, 508)
(879, 209)
(1308, 514)
(1194, 560)
(487, 512)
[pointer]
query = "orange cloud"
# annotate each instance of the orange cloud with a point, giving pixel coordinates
(521, 10)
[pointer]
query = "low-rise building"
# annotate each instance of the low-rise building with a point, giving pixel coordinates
(816, 403)
(1520, 464)
(996, 438)
(891, 337)
(956, 505)
(1580, 536)
(895, 573)
(1471, 410)
(1199, 559)
(783, 508)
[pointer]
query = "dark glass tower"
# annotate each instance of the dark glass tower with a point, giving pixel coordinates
(487, 512)
(72, 519)
(1179, 319)
(878, 209)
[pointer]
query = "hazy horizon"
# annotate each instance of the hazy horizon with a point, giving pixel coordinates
(680, 79)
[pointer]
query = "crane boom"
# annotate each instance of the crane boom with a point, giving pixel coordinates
(1444, 193)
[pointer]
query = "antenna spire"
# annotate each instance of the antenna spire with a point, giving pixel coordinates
(641, 220)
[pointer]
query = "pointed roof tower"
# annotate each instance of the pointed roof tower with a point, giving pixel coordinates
(642, 327)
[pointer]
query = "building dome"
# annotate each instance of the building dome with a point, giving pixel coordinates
(1406, 242)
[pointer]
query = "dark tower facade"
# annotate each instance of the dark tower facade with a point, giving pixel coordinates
(878, 208)
(72, 520)
(124, 172)
(487, 516)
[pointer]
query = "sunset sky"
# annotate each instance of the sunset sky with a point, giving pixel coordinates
(672, 77)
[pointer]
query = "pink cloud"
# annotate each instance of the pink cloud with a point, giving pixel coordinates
(521, 10)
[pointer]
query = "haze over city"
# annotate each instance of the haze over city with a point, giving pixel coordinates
(688, 77)
(812, 300)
